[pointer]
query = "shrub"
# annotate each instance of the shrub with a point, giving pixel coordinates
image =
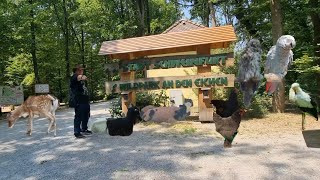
(260, 106)
(148, 98)
(115, 109)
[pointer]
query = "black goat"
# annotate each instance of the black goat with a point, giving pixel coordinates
(123, 126)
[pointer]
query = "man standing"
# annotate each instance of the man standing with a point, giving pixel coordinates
(81, 102)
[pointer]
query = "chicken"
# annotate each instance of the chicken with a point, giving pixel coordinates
(228, 127)
(303, 101)
(249, 75)
(227, 108)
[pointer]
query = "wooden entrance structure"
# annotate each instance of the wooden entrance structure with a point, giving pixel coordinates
(134, 53)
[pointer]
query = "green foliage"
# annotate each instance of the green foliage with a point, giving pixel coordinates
(115, 110)
(149, 98)
(260, 106)
(161, 98)
(190, 130)
(19, 70)
(144, 99)
(306, 64)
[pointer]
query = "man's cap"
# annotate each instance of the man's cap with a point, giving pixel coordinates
(79, 66)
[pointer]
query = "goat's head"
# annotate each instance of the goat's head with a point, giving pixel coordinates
(11, 118)
(134, 113)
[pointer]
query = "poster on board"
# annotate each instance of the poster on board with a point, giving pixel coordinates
(42, 88)
(11, 95)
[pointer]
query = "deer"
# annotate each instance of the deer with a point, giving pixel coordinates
(42, 105)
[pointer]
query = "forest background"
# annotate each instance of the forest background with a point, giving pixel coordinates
(41, 40)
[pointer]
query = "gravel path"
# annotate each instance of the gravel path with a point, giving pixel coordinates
(151, 152)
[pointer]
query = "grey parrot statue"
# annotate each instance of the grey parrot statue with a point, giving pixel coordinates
(249, 75)
(279, 59)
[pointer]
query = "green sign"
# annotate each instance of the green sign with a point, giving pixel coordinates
(175, 62)
(171, 83)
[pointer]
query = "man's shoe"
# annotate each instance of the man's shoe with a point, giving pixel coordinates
(86, 132)
(79, 135)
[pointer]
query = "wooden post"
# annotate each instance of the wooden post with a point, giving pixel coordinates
(132, 95)
(205, 108)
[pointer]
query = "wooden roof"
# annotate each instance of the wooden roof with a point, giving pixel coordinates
(183, 25)
(215, 37)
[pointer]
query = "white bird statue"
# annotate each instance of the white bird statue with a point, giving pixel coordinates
(279, 58)
(249, 75)
(303, 101)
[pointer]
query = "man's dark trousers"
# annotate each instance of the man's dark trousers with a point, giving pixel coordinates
(82, 114)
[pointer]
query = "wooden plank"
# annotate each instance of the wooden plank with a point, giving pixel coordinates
(172, 82)
(205, 108)
(127, 76)
(230, 60)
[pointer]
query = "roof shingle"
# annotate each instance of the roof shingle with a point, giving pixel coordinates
(183, 25)
(203, 36)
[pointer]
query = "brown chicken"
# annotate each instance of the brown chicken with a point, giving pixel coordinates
(228, 127)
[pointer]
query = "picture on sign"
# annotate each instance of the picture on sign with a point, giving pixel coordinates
(42, 88)
(11, 95)
(176, 82)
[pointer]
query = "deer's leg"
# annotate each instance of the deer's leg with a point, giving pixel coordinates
(54, 125)
(52, 120)
(30, 124)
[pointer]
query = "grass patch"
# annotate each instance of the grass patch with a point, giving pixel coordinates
(185, 128)
(190, 130)
(149, 123)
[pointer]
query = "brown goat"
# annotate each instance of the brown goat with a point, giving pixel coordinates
(43, 105)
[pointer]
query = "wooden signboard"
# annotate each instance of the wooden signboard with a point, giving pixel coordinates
(42, 88)
(173, 82)
(172, 62)
(11, 95)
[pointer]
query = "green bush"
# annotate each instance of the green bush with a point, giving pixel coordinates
(147, 98)
(115, 109)
(260, 106)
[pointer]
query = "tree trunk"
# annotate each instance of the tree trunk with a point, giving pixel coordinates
(315, 18)
(212, 14)
(148, 17)
(33, 44)
(82, 47)
(66, 28)
(206, 13)
(278, 99)
(276, 18)
(141, 10)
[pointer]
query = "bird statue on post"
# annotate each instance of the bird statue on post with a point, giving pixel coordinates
(279, 58)
(249, 75)
(303, 101)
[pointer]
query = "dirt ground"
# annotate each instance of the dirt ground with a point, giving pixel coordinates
(269, 148)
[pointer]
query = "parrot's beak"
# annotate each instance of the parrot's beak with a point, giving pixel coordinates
(271, 87)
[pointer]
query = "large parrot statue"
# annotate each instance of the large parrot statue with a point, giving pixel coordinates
(279, 58)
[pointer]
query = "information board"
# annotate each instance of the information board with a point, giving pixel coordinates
(11, 95)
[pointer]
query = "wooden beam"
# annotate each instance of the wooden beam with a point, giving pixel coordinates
(125, 76)
(205, 108)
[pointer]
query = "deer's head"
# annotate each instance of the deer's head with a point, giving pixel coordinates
(11, 118)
